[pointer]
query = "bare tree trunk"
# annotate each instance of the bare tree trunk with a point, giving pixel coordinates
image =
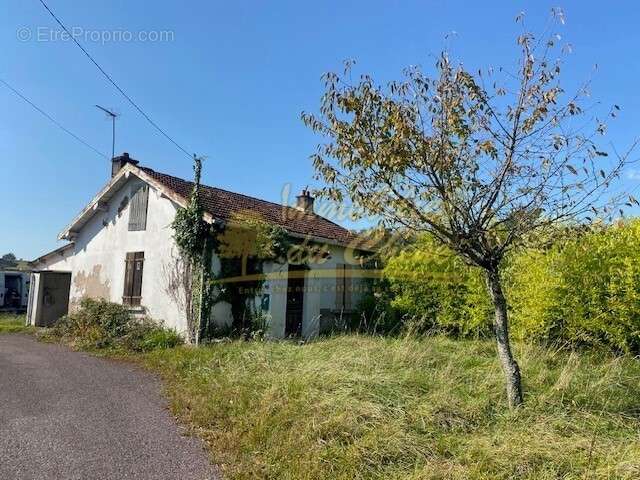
(509, 365)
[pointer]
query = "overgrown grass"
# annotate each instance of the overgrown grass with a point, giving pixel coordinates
(361, 407)
(11, 323)
(357, 407)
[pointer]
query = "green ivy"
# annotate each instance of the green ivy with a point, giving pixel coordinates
(190, 229)
(243, 245)
(190, 234)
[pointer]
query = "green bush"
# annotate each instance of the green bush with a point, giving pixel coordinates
(374, 312)
(145, 335)
(433, 287)
(109, 319)
(583, 290)
(102, 324)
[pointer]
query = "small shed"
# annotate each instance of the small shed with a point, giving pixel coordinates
(48, 297)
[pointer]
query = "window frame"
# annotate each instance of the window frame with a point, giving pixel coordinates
(133, 278)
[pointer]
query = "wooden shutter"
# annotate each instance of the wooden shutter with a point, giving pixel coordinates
(128, 279)
(138, 209)
(134, 266)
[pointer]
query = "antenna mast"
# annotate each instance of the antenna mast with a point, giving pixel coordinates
(113, 121)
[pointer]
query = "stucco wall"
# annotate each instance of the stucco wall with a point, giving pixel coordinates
(324, 285)
(97, 263)
(97, 260)
(276, 288)
(320, 291)
(55, 261)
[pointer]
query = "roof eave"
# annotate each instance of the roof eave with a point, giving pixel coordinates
(329, 241)
(106, 193)
(94, 205)
(59, 251)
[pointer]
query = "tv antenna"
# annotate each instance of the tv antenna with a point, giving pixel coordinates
(113, 122)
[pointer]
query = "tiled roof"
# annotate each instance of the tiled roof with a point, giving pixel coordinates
(223, 204)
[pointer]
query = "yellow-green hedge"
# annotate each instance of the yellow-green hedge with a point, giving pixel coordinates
(585, 289)
(436, 289)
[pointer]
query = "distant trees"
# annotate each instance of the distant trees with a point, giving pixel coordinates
(8, 260)
(483, 161)
(9, 257)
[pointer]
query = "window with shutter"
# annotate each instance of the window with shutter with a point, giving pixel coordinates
(138, 209)
(134, 266)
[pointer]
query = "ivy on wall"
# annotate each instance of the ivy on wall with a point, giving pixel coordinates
(191, 235)
(190, 229)
(243, 244)
(243, 247)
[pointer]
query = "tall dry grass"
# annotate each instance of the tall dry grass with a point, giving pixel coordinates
(361, 407)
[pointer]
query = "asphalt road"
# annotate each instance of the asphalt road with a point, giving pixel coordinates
(67, 415)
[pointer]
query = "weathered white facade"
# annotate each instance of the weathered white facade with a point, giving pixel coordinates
(101, 239)
(97, 258)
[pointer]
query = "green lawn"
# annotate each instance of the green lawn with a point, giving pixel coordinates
(358, 407)
(10, 323)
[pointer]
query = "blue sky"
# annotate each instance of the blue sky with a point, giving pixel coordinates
(230, 83)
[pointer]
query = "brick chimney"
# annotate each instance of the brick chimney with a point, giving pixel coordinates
(118, 162)
(304, 202)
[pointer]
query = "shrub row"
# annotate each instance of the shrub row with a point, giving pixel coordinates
(583, 290)
(435, 289)
(101, 324)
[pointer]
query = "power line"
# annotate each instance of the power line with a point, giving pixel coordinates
(112, 81)
(51, 119)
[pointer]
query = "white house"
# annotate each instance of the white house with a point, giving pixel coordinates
(122, 249)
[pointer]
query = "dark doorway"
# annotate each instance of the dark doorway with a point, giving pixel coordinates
(48, 297)
(295, 300)
(13, 295)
